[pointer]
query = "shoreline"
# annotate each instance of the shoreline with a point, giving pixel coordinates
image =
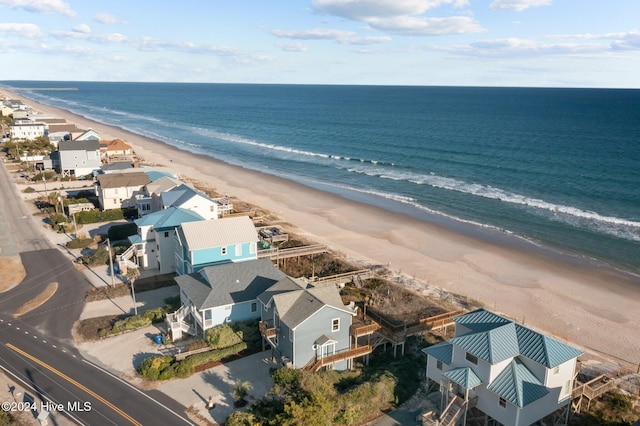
(586, 305)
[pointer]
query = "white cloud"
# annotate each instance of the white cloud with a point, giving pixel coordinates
(340, 36)
(362, 10)
(47, 7)
(292, 47)
(518, 5)
(82, 28)
(106, 18)
(313, 34)
(22, 30)
(422, 26)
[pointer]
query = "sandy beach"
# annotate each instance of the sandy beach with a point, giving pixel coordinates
(587, 306)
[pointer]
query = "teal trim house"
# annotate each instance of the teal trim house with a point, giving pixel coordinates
(511, 373)
(154, 246)
(210, 242)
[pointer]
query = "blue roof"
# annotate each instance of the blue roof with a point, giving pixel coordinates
(481, 320)
(492, 346)
(135, 239)
(544, 349)
(442, 352)
(464, 376)
(494, 338)
(155, 175)
(517, 384)
(168, 218)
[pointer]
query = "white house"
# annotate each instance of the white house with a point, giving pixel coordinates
(510, 373)
(154, 244)
(149, 201)
(28, 130)
(118, 190)
(190, 198)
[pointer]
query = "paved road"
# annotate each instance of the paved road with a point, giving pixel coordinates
(37, 349)
(57, 373)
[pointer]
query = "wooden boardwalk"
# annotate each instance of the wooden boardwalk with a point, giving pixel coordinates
(278, 254)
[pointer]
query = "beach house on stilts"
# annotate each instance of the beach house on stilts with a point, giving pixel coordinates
(501, 372)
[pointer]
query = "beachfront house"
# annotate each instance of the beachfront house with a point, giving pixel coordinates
(190, 198)
(118, 190)
(149, 200)
(308, 327)
(153, 246)
(209, 242)
(116, 148)
(77, 158)
(221, 294)
(28, 130)
(86, 135)
(502, 370)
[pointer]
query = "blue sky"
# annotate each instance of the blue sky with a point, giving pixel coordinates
(551, 43)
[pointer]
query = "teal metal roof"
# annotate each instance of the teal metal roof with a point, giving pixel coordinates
(544, 349)
(442, 352)
(135, 239)
(481, 320)
(464, 376)
(492, 346)
(517, 384)
(495, 338)
(168, 218)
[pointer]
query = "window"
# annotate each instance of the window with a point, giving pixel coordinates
(471, 358)
(502, 402)
(238, 249)
(567, 388)
(254, 306)
(252, 248)
(439, 365)
(212, 208)
(207, 314)
(223, 250)
(335, 324)
(556, 370)
(166, 234)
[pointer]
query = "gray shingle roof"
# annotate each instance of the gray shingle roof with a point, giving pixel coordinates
(229, 283)
(283, 286)
(297, 306)
(89, 145)
(122, 180)
(517, 384)
(217, 233)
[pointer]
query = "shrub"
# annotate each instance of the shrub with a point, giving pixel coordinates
(98, 257)
(121, 232)
(184, 368)
(94, 216)
(56, 219)
(198, 344)
(240, 418)
(154, 366)
(79, 243)
(155, 315)
(29, 190)
(130, 323)
(217, 354)
(222, 336)
(285, 376)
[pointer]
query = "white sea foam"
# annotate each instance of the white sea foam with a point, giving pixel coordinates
(615, 226)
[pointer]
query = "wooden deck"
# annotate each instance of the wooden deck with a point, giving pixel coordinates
(341, 279)
(266, 331)
(316, 364)
(363, 328)
(277, 254)
(591, 390)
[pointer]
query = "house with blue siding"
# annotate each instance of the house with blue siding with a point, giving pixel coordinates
(154, 245)
(210, 242)
(509, 373)
(308, 327)
(221, 294)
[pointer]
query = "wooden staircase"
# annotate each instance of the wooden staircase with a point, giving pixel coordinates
(316, 363)
(452, 413)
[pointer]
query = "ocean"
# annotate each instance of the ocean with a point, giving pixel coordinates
(556, 170)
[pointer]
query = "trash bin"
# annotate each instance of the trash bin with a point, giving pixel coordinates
(158, 339)
(116, 269)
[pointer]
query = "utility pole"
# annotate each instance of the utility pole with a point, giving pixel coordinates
(75, 225)
(45, 186)
(113, 284)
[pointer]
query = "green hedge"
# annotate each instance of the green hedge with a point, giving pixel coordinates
(121, 232)
(130, 323)
(79, 243)
(157, 368)
(94, 216)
